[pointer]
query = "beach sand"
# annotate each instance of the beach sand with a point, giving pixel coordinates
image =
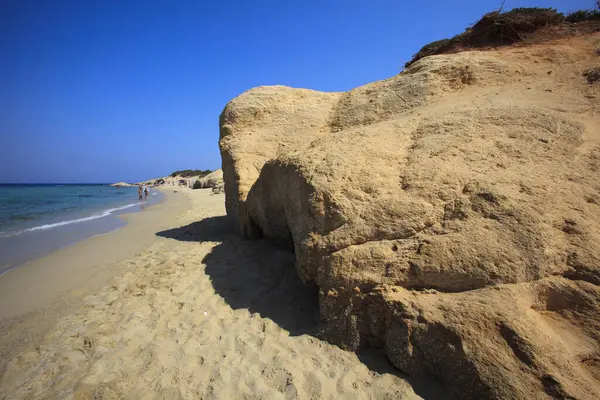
(33, 297)
(192, 311)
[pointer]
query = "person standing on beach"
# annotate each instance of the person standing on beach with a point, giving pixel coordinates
(146, 190)
(140, 192)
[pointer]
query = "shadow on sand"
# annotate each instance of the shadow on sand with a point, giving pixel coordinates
(255, 275)
(261, 277)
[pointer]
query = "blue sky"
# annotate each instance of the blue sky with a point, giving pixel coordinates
(103, 91)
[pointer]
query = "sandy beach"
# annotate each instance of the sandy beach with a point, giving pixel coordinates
(34, 296)
(174, 306)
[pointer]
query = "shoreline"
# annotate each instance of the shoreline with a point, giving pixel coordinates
(34, 295)
(26, 244)
(12, 268)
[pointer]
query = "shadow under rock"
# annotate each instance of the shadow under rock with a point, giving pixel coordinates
(262, 278)
(254, 275)
(213, 229)
(377, 361)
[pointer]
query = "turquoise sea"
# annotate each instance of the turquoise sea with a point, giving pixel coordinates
(36, 219)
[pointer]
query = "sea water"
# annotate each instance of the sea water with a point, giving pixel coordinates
(37, 219)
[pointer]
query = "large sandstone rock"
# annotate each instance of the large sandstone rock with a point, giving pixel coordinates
(258, 126)
(449, 215)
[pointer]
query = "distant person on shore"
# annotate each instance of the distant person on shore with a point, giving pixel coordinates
(140, 192)
(146, 190)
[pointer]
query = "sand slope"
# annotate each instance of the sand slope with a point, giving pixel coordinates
(201, 314)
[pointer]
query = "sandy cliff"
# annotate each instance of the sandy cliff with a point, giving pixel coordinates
(449, 215)
(213, 179)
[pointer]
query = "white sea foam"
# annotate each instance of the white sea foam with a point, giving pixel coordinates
(103, 214)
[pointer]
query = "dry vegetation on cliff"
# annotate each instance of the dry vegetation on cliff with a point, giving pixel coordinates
(520, 25)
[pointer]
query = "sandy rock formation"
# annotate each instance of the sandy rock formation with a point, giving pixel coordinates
(260, 125)
(212, 180)
(449, 215)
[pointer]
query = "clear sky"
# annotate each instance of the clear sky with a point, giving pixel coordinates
(111, 90)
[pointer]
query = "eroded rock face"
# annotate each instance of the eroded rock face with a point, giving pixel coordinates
(449, 215)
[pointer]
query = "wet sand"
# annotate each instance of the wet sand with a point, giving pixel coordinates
(191, 312)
